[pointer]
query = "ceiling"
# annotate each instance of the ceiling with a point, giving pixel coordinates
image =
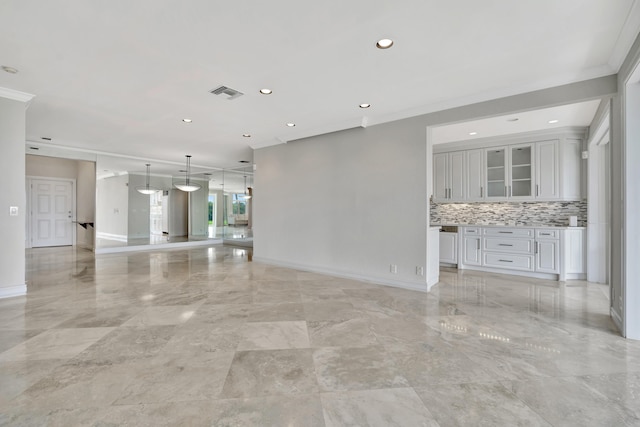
(573, 115)
(119, 76)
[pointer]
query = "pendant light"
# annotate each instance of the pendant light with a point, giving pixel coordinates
(187, 185)
(147, 189)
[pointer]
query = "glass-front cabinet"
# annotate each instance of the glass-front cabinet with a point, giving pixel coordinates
(521, 157)
(510, 172)
(496, 172)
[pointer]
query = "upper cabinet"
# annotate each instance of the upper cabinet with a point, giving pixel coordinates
(449, 171)
(539, 170)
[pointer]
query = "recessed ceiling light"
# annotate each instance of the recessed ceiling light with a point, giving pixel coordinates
(10, 70)
(473, 133)
(246, 135)
(291, 124)
(266, 91)
(187, 120)
(553, 121)
(384, 43)
(365, 105)
(46, 138)
(515, 119)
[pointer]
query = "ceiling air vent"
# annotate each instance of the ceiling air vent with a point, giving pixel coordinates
(223, 90)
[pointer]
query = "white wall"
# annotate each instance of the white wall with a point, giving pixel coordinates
(351, 203)
(342, 202)
(139, 220)
(112, 204)
(12, 176)
(199, 210)
(51, 167)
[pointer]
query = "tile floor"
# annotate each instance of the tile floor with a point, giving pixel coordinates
(207, 337)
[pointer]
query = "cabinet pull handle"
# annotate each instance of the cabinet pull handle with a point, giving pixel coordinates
(505, 260)
(505, 191)
(503, 244)
(536, 247)
(537, 192)
(481, 194)
(478, 241)
(545, 234)
(506, 232)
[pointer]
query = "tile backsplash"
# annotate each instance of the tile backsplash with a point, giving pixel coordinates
(509, 213)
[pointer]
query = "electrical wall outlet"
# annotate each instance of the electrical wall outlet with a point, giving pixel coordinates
(420, 271)
(13, 211)
(393, 268)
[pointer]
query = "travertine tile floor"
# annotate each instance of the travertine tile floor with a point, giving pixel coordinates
(207, 337)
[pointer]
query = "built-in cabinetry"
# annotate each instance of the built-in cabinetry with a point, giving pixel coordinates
(555, 253)
(541, 169)
(449, 176)
(448, 248)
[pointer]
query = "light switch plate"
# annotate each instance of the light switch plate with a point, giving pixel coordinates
(13, 211)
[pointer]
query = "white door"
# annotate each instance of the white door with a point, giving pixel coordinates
(51, 213)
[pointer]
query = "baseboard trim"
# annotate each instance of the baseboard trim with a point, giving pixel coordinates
(109, 236)
(13, 291)
(154, 247)
(421, 287)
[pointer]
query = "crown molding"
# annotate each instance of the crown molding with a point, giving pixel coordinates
(16, 95)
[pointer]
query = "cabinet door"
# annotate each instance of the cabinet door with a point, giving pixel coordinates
(471, 252)
(547, 256)
(457, 175)
(521, 163)
(448, 248)
(496, 173)
(547, 181)
(475, 175)
(440, 180)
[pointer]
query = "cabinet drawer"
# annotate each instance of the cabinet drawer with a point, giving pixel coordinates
(547, 234)
(513, 262)
(472, 230)
(524, 246)
(508, 232)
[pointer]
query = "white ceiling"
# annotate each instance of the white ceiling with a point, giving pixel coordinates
(119, 76)
(580, 114)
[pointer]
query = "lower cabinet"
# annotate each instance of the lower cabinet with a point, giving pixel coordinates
(448, 248)
(471, 246)
(541, 252)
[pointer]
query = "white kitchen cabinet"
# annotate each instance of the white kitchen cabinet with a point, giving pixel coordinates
(534, 170)
(509, 172)
(549, 253)
(547, 250)
(547, 256)
(449, 171)
(472, 250)
(474, 181)
(547, 172)
(448, 248)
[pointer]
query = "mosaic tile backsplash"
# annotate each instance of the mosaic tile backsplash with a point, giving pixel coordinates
(526, 213)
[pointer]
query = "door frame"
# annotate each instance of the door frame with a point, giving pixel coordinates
(29, 221)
